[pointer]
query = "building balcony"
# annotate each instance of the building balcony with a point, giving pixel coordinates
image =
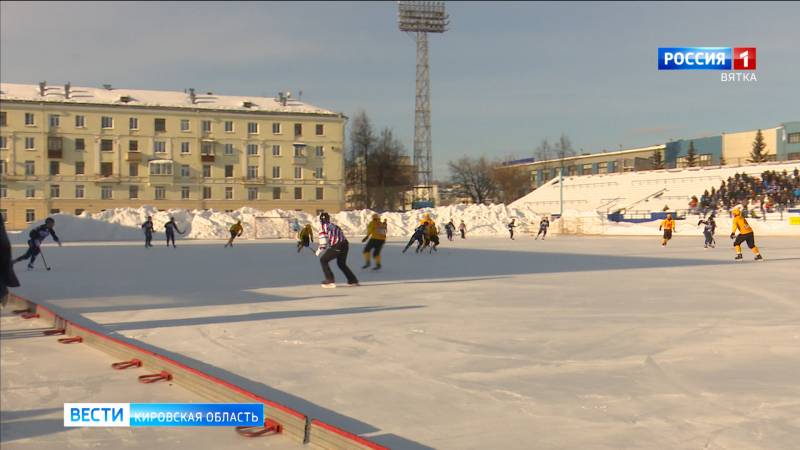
(207, 158)
(55, 154)
(253, 180)
(300, 160)
(134, 156)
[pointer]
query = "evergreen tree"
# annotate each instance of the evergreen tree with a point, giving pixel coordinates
(691, 155)
(758, 155)
(658, 161)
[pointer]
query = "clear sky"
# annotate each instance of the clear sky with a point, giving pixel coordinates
(505, 76)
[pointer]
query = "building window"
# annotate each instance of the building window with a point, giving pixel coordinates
(133, 146)
(55, 191)
(30, 143)
(55, 210)
(252, 127)
(602, 167)
(185, 192)
(184, 125)
(30, 168)
(276, 150)
(276, 128)
(55, 143)
(229, 171)
(80, 167)
(106, 145)
(80, 144)
(229, 126)
(106, 122)
(161, 168)
(587, 169)
(206, 170)
(80, 121)
(30, 215)
(207, 148)
(3, 119)
(3, 191)
(159, 147)
(276, 172)
(185, 148)
(106, 169)
(318, 173)
(206, 126)
(252, 193)
(319, 193)
(133, 192)
(320, 129)
(55, 168)
(206, 192)
(252, 172)
(106, 193)
(30, 192)
(3, 142)
(276, 193)
(29, 119)
(55, 120)
(298, 151)
(133, 123)
(79, 191)
(298, 129)
(4, 214)
(298, 193)
(228, 193)
(793, 138)
(2, 167)
(78, 211)
(133, 169)
(252, 149)
(161, 193)
(319, 151)
(298, 173)
(160, 124)
(185, 170)
(228, 149)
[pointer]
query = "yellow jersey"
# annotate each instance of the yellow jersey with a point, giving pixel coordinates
(376, 230)
(668, 224)
(236, 229)
(740, 223)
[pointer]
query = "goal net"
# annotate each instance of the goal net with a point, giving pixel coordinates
(272, 227)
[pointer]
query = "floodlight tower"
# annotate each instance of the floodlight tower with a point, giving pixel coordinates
(421, 18)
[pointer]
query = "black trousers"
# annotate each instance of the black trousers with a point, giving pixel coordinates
(148, 238)
(171, 237)
(32, 253)
(374, 245)
(339, 253)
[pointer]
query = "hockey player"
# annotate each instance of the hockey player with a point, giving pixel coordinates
(450, 228)
(708, 230)
(304, 238)
(511, 227)
(236, 231)
(333, 245)
(543, 225)
(171, 227)
(37, 235)
(375, 238)
(668, 225)
(431, 237)
(148, 232)
(745, 235)
(462, 228)
(417, 237)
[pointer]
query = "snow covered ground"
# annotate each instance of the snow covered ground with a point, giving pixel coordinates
(602, 342)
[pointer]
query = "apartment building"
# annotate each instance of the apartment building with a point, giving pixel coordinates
(71, 149)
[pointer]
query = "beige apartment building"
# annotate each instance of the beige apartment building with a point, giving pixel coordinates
(71, 149)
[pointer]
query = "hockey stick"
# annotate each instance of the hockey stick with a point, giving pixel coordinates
(44, 261)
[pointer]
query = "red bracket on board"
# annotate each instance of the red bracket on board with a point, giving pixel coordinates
(55, 332)
(29, 315)
(270, 427)
(126, 364)
(72, 340)
(153, 377)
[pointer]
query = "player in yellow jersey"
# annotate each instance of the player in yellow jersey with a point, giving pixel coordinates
(236, 231)
(376, 234)
(304, 237)
(668, 225)
(745, 235)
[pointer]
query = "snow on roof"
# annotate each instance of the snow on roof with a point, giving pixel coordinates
(167, 99)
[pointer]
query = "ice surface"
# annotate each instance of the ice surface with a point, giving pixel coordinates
(602, 343)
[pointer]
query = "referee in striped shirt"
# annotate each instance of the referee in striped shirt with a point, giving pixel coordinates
(333, 245)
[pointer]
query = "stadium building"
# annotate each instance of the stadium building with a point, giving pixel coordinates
(73, 149)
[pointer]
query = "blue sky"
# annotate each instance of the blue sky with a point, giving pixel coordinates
(505, 76)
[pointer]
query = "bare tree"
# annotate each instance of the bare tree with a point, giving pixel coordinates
(474, 178)
(390, 173)
(544, 153)
(512, 182)
(362, 142)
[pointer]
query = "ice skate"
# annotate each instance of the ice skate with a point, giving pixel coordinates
(738, 257)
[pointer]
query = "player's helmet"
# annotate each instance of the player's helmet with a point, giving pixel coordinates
(324, 218)
(669, 216)
(49, 220)
(376, 216)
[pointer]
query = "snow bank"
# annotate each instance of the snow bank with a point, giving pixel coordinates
(124, 224)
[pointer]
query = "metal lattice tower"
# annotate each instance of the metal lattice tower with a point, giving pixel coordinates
(421, 18)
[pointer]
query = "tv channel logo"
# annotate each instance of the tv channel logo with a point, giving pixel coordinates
(707, 58)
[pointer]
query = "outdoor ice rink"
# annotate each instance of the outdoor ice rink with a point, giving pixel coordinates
(574, 342)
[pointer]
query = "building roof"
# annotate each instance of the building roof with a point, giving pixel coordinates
(590, 155)
(165, 99)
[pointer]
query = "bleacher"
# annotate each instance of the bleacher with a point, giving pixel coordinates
(638, 193)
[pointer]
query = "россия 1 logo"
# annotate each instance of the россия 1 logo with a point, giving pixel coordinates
(737, 63)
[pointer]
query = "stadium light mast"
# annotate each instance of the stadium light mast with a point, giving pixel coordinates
(421, 18)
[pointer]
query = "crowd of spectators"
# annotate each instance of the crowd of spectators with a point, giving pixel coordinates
(772, 191)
